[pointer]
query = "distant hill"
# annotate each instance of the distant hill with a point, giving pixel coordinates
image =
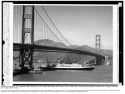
(50, 56)
(73, 46)
(104, 52)
(47, 42)
(65, 57)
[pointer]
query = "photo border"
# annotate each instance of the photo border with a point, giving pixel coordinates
(79, 2)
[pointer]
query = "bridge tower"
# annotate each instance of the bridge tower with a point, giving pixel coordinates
(26, 52)
(98, 42)
(98, 48)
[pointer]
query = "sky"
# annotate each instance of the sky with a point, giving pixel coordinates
(80, 24)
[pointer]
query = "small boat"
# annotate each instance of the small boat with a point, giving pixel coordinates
(62, 66)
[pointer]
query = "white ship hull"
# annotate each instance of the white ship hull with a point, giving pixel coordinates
(68, 67)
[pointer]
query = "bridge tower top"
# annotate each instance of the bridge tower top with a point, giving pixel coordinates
(28, 25)
(98, 42)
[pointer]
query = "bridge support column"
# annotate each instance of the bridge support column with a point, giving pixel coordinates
(27, 29)
(27, 56)
(99, 60)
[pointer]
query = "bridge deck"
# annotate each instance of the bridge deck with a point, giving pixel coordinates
(17, 46)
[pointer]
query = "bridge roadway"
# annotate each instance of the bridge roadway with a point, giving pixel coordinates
(17, 46)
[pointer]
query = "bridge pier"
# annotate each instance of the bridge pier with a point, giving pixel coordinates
(26, 53)
(99, 60)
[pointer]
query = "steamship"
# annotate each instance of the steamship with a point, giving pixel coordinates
(72, 66)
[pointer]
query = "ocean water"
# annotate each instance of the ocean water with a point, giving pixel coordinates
(101, 73)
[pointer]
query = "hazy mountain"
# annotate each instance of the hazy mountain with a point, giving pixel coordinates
(94, 50)
(65, 57)
(44, 42)
(73, 46)
(47, 42)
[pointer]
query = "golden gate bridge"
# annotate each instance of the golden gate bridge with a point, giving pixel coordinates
(32, 23)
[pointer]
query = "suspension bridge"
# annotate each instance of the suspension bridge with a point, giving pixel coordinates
(32, 23)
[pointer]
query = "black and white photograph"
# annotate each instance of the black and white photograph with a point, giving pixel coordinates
(63, 44)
